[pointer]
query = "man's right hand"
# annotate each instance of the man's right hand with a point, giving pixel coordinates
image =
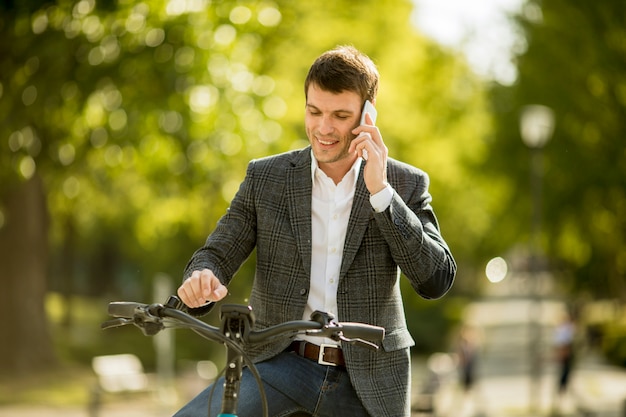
(200, 288)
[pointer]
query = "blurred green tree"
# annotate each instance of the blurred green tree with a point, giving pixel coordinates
(130, 125)
(574, 61)
(123, 124)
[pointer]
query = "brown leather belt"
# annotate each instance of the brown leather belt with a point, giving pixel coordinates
(324, 354)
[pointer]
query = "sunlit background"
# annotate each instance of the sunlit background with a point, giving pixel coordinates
(481, 29)
(126, 128)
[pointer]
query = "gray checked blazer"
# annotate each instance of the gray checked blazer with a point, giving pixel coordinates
(272, 212)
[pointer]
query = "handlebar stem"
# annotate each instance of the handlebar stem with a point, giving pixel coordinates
(237, 321)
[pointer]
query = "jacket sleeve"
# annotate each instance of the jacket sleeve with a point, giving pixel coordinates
(412, 232)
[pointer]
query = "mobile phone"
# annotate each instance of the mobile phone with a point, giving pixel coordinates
(368, 107)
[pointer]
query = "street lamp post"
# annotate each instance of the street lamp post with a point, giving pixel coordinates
(536, 128)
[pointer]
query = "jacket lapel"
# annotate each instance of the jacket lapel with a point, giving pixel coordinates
(359, 219)
(298, 191)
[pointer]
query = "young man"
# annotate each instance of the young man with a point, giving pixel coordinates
(333, 225)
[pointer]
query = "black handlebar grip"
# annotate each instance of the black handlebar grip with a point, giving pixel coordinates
(363, 331)
(124, 309)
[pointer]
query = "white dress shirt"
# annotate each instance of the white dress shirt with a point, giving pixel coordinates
(331, 205)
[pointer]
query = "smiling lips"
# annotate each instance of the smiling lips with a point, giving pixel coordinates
(326, 142)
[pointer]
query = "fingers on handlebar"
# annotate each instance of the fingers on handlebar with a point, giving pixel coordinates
(201, 287)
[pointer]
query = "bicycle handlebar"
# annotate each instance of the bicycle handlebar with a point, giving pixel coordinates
(148, 318)
(237, 322)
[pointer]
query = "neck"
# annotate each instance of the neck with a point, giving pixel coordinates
(338, 169)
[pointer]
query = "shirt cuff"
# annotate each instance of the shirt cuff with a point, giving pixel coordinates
(382, 199)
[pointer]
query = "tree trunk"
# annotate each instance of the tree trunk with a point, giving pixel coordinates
(26, 343)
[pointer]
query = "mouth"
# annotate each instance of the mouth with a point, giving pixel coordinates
(328, 142)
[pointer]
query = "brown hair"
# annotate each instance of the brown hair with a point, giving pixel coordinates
(344, 68)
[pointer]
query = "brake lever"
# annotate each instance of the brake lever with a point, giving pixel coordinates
(357, 341)
(328, 323)
(119, 322)
(146, 317)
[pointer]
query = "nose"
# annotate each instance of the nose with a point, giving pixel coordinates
(326, 126)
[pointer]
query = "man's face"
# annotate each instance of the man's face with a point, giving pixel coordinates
(329, 121)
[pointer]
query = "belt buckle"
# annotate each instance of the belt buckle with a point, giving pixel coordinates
(320, 358)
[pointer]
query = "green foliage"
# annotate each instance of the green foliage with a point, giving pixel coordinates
(432, 323)
(141, 119)
(432, 111)
(142, 116)
(614, 342)
(574, 63)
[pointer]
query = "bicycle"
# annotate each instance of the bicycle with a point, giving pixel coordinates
(236, 332)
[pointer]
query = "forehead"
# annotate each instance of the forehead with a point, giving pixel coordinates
(328, 100)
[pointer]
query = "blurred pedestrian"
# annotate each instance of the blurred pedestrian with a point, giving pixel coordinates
(564, 343)
(467, 353)
(468, 349)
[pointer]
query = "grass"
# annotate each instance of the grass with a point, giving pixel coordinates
(65, 385)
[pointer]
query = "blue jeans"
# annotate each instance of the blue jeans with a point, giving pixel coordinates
(292, 384)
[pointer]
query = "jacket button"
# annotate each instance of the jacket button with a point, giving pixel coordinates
(303, 291)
